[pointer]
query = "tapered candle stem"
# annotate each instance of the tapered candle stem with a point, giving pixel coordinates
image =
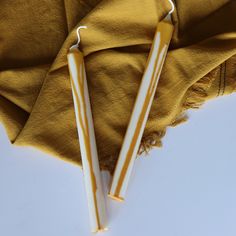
(141, 110)
(85, 128)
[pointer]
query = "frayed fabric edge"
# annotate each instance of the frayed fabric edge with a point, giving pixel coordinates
(194, 99)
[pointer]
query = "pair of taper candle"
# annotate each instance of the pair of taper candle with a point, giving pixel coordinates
(134, 131)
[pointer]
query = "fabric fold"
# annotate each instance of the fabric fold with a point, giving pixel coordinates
(116, 46)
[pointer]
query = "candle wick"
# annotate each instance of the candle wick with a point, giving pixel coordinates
(78, 36)
(172, 7)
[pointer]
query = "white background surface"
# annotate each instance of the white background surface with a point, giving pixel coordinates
(187, 188)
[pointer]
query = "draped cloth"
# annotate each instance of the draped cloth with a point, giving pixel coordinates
(36, 105)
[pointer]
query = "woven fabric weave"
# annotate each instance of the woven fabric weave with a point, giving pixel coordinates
(36, 106)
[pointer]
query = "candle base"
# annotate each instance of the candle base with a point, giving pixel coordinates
(116, 198)
(100, 230)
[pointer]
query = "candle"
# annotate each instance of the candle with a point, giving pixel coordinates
(141, 109)
(85, 128)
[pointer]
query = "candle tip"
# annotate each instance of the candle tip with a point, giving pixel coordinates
(78, 35)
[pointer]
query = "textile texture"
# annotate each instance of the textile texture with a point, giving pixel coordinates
(36, 105)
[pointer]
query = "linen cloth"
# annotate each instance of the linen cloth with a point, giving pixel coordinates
(36, 106)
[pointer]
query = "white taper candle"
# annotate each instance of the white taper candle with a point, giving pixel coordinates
(88, 149)
(141, 110)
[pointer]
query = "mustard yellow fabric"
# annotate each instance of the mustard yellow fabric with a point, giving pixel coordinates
(36, 106)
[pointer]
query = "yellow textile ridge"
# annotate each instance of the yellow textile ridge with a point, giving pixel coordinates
(36, 106)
